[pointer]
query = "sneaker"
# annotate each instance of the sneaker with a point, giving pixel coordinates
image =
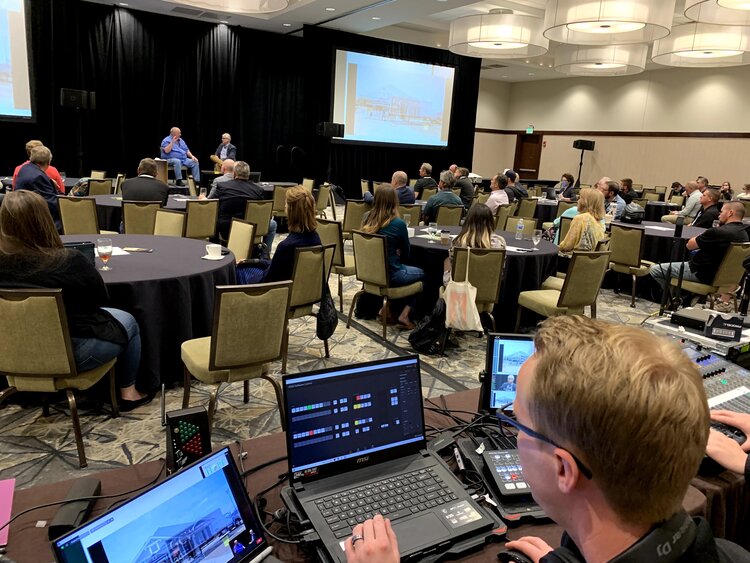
(179, 183)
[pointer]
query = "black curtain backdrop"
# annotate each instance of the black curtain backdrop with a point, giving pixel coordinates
(151, 72)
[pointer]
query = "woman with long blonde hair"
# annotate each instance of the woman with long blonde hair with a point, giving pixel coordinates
(586, 228)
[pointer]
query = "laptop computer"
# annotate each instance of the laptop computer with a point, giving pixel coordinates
(505, 355)
(356, 447)
(202, 513)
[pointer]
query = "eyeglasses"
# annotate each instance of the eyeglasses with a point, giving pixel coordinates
(534, 434)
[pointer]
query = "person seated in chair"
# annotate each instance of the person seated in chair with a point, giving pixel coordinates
(692, 205)
(586, 227)
(709, 211)
(33, 177)
(51, 171)
(498, 196)
(425, 180)
(145, 187)
(227, 173)
(444, 196)
(627, 193)
(224, 151)
(398, 181)
(176, 152)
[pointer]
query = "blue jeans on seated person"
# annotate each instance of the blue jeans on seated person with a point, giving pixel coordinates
(406, 276)
(193, 168)
(90, 353)
(660, 272)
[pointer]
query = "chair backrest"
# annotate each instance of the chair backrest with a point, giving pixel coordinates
(584, 279)
(98, 174)
(581, 186)
(371, 258)
(169, 223)
(483, 197)
(307, 276)
(563, 206)
(626, 245)
(533, 192)
(651, 196)
(330, 233)
(241, 239)
(365, 185)
(100, 186)
(645, 190)
(527, 208)
(640, 201)
(139, 217)
(564, 227)
(248, 313)
(746, 204)
(279, 199)
(427, 193)
(449, 215)
(324, 198)
(259, 212)
(731, 270)
(412, 182)
(308, 184)
(414, 210)
(677, 200)
(78, 215)
(660, 189)
(118, 183)
(639, 186)
(201, 218)
(35, 346)
(528, 225)
(192, 189)
(353, 213)
(485, 271)
(456, 191)
(501, 216)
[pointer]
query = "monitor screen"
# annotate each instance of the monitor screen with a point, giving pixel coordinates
(15, 81)
(384, 100)
(505, 355)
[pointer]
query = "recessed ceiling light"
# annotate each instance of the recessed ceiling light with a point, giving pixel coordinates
(223, 21)
(531, 74)
(527, 62)
(375, 17)
(124, 4)
(504, 76)
(286, 24)
(330, 9)
(439, 45)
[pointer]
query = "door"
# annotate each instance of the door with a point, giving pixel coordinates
(528, 155)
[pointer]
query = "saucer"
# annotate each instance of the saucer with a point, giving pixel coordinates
(207, 257)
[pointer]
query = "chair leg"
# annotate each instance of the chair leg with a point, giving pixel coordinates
(384, 317)
(185, 388)
(279, 399)
(711, 300)
(284, 348)
(492, 318)
(113, 393)
(341, 295)
(617, 283)
(325, 346)
(5, 393)
(76, 428)
(351, 307)
(593, 309)
(632, 293)
(213, 399)
(518, 318)
(444, 340)
(246, 391)
(45, 405)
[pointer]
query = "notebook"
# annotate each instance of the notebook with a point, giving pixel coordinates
(356, 447)
(199, 514)
(505, 355)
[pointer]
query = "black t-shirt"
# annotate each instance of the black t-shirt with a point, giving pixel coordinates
(712, 245)
(706, 217)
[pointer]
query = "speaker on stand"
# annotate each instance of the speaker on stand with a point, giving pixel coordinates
(583, 145)
(329, 130)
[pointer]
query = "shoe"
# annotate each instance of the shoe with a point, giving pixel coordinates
(723, 307)
(179, 183)
(127, 405)
(408, 325)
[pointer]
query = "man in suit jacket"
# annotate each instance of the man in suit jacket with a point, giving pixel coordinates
(33, 177)
(224, 151)
(145, 187)
(51, 171)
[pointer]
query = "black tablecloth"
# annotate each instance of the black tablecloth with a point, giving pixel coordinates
(546, 211)
(656, 209)
(659, 236)
(523, 271)
(169, 291)
(109, 209)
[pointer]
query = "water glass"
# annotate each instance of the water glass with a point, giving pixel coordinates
(104, 248)
(715, 223)
(202, 193)
(407, 219)
(536, 237)
(432, 230)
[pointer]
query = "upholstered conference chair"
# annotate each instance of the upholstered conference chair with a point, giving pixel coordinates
(626, 245)
(192, 188)
(427, 193)
(100, 187)
(354, 211)
(528, 225)
(279, 200)
(413, 210)
(501, 216)
(242, 314)
(201, 218)
(308, 184)
(259, 212)
(323, 201)
(36, 353)
(449, 215)
(78, 216)
(241, 239)
(139, 217)
(330, 233)
(527, 208)
(169, 223)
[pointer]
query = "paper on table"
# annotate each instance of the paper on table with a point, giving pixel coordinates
(7, 486)
(434, 238)
(659, 228)
(518, 249)
(116, 251)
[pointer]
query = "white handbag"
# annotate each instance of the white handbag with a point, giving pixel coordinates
(460, 306)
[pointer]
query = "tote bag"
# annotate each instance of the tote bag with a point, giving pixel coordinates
(460, 308)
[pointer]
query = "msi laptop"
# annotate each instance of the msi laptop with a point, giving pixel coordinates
(505, 355)
(356, 447)
(199, 514)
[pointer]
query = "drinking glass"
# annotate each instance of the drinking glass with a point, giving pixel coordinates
(536, 237)
(203, 193)
(432, 230)
(104, 247)
(407, 219)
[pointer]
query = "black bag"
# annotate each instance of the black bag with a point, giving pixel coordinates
(327, 318)
(428, 333)
(633, 213)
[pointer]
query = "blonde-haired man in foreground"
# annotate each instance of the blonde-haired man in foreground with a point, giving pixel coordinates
(612, 427)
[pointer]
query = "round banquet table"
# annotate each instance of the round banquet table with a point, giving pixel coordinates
(658, 245)
(546, 211)
(656, 209)
(169, 291)
(109, 209)
(525, 269)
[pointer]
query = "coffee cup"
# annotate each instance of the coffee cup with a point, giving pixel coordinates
(213, 250)
(411, 231)
(445, 238)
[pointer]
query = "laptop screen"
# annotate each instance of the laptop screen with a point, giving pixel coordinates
(505, 354)
(199, 514)
(354, 416)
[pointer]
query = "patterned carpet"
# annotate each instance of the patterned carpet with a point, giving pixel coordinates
(36, 449)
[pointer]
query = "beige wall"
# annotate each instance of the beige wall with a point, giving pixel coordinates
(673, 100)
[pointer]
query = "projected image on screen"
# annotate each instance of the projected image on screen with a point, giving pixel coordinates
(386, 100)
(15, 95)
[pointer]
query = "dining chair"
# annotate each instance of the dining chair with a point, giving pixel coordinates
(100, 187)
(259, 212)
(308, 184)
(626, 247)
(323, 200)
(241, 239)
(527, 208)
(279, 200)
(200, 221)
(78, 216)
(427, 193)
(331, 233)
(192, 188)
(169, 223)
(529, 225)
(139, 217)
(449, 215)
(354, 211)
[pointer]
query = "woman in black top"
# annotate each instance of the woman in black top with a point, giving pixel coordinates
(32, 255)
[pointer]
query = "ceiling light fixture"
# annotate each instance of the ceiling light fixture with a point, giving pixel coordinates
(703, 45)
(244, 7)
(605, 22)
(329, 9)
(376, 18)
(286, 24)
(720, 12)
(601, 60)
(500, 34)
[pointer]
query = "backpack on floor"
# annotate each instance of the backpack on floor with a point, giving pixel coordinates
(426, 336)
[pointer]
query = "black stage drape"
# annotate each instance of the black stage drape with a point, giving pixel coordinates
(151, 72)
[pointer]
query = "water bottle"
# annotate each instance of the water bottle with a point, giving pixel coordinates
(519, 230)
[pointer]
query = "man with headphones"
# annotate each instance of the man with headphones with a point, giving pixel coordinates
(612, 428)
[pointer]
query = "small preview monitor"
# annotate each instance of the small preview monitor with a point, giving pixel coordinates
(506, 353)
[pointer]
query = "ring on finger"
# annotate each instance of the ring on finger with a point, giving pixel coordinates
(356, 538)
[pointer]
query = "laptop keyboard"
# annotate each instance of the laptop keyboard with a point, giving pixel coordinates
(394, 498)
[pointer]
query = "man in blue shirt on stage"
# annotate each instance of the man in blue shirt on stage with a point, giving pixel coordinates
(176, 152)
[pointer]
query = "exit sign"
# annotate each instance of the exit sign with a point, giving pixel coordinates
(530, 129)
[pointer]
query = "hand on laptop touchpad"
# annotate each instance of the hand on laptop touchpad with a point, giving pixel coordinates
(424, 530)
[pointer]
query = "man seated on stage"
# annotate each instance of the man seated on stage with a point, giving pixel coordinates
(233, 196)
(709, 211)
(51, 170)
(425, 179)
(444, 196)
(692, 205)
(176, 152)
(227, 173)
(145, 187)
(707, 250)
(398, 181)
(224, 151)
(610, 467)
(33, 177)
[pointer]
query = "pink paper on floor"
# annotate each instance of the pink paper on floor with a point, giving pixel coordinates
(7, 487)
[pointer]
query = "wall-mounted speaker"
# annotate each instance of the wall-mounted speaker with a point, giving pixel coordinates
(584, 145)
(329, 129)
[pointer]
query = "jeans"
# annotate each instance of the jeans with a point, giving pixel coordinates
(409, 274)
(90, 353)
(268, 237)
(192, 166)
(660, 272)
